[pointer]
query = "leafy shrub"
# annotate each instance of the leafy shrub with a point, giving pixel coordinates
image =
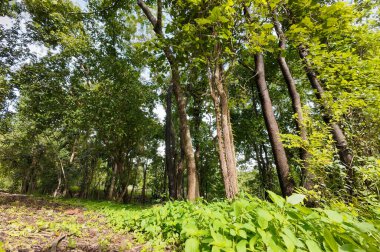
(251, 224)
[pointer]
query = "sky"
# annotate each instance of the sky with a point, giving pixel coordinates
(80, 3)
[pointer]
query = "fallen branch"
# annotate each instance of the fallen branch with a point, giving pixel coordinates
(56, 242)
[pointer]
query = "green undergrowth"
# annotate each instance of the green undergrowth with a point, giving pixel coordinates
(248, 224)
(251, 224)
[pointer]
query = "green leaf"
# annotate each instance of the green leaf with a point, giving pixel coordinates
(264, 214)
(262, 222)
(350, 248)
(232, 232)
(2, 247)
(288, 243)
(242, 233)
(313, 246)
(295, 199)
(241, 246)
(190, 229)
(192, 245)
(334, 216)
(365, 227)
(203, 21)
(290, 234)
(249, 226)
(278, 200)
(268, 26)
(330, 240)
(252, 242)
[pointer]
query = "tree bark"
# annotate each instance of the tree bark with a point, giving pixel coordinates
(61, 176)
(268, 166)
(221, 148)
(113, 181)
(340, 140)
(170, 146)
(124, 194)
(143, 190)
(227, 133)
(180, 169)
(193, 185)
(281, 161)
(296, 101)
(226, 149)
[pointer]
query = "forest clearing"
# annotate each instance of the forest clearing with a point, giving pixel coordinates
(190, 125)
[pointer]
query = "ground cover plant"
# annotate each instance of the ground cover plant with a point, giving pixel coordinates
(251, 224)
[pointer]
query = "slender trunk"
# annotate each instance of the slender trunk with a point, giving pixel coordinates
(131, 195)
(58, 189)
(286, 183)
(193, 185)
(261, 166)
(124, 194)
(340, 140)
(83, 185)
(72, 156)
(180, 170)
(227, 133)
(268, 166)
(170, 146)
(197, 115)
(113, 181)
(221, 149)
(296, 102)
(192, 176)
(143, 190)
(61, 176)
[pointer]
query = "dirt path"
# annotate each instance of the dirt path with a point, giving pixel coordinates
(31, 224)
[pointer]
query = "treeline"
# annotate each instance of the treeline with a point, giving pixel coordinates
(258, 95)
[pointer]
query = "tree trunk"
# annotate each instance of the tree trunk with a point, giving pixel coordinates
(193, 185)
(170, 146)
(268, 166)
(124, 194)
(197, 115)
(192, 176)
(180, 169)
(143, 190)
(226, 147)
(286, 183)
(221, 149)
(62, 187)
(296, 102)
(227, 133)
(338, 135)
(113, 181)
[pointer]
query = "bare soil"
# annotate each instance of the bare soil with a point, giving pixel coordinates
(34, 224)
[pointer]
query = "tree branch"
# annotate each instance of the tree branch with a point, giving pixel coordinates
(159, 15)
(147, 12)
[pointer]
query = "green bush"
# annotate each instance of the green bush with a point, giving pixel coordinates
(251, 224)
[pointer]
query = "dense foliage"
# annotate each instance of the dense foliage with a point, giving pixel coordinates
(249, 224)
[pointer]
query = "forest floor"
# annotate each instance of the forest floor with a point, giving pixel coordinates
(30, 223)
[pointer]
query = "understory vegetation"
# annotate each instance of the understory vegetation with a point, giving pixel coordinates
(247, 224)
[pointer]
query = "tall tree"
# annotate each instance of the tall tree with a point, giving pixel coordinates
(192, 180)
